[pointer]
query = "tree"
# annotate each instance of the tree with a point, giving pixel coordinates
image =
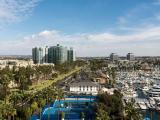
(5, 80)
(112, 104)
(7, 111)
(54, 75)
(37, 73)
(82, 115)
(21, 78)
(3, 110)
(29, 72)
(131, 112)
(41, 103)
(23, 82)
(28, 112)
(11, 111)
(60, 95)
(62, 115)
(15, 98)
(102, 114)
(65, 104)
(113, 76)
(34, 106)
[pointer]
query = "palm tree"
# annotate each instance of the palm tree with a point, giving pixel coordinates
(60, 96)
(7, 111)
(131, 112)
(102, 114)
(48, 93)
(5, 80)
(2, 110)
(41, 103)
(23, 82)
(82, 115)
(28, 112)
(62, 115)
(21, 78)
(29, 73)
(34, 106)
(11, 111)
(15, 98)
(37, 73)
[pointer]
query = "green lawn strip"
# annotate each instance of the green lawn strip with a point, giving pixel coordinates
(47, 83)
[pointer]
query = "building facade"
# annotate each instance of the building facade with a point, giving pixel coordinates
(71, 55)
(55, 54)
(46, 54)
(130, 56)
(84, 88)
(38, 55)
(114, 57)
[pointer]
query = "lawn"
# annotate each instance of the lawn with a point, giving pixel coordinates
(47, 83)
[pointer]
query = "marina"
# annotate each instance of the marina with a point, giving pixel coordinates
(144, 89)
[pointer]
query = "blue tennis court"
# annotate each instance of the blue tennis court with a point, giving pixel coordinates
(72, 107)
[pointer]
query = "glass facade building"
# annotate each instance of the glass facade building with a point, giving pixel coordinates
(70, 55)
(38, 55)
(54, 54)
(57, 54)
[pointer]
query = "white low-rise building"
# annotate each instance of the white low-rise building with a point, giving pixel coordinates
(84, 88)
(15, 62)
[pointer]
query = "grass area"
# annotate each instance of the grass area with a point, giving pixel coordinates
(47, 83)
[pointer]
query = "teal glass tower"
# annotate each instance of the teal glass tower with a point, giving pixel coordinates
(55, 54)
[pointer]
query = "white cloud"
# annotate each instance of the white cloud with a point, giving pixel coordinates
(99, 44)
(15, 10)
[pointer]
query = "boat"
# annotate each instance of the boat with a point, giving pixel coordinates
(154, 91)
(143, 106)
(157, 104)
(145, 89)
(158, 107)
(152, 103)
(130, 93)
(134, 94)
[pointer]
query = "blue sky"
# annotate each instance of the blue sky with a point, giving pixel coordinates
(92, 27)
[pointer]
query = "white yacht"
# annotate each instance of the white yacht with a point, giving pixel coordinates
(157, 104)
(152, 102)
(135, 94)
(130, 93)
(145, 89)
(143, 106)
(154, 91)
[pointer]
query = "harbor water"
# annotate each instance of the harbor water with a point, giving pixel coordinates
(151, 114)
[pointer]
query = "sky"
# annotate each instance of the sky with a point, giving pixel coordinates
(91, 27)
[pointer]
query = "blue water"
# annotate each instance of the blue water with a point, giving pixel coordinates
(151, 114)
